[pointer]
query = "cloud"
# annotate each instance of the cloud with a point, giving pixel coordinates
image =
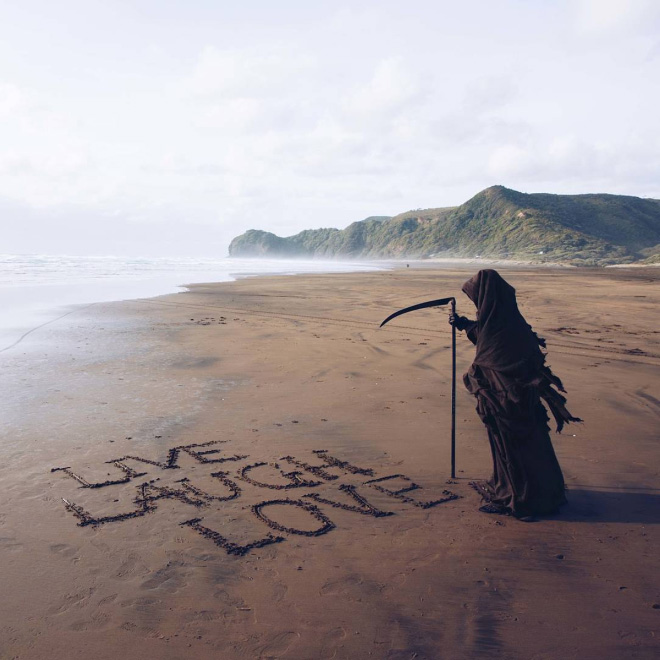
(391, 88)
(508, 160)
(489, 93)
(21, 105)
(251, 73)
(326, 115)
(234, 114)
(12, 99)
(593, 167)
(610, 16)
(52, 165)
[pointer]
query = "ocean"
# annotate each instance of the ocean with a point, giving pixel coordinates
(36, 290)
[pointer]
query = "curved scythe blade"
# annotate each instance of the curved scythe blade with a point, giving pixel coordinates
(430, 303)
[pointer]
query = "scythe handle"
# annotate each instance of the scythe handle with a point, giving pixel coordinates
(453, 393)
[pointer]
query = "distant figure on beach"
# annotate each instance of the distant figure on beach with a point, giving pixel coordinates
(509, 378)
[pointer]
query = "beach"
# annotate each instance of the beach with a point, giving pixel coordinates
(229, 472)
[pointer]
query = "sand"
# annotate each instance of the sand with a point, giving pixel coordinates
(269, 368)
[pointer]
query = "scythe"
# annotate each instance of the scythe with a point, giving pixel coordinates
(439, 303)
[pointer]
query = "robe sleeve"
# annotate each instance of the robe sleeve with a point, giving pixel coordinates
(472, 332)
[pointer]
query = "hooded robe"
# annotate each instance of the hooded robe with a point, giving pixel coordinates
(509, 378)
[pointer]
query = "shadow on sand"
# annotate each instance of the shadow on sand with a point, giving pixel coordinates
(611, 505)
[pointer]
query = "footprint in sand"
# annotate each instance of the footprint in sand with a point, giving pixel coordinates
(331, 640)
(166, 579)
(228, 599)
(98, 621)
(202, 615)
(352, 587)
(140, 603)
(10, 544)
(278, 645)
(144, 614)
(129, 567)
(279, 591)
(72, 600)
(62, 549)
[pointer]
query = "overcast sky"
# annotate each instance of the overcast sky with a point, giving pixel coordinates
(165, 127)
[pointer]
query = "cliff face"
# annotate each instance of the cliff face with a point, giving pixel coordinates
(497, 222)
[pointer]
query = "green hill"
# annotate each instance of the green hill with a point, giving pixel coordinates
(497, 223)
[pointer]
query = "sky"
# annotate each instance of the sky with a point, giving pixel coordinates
(167, 127)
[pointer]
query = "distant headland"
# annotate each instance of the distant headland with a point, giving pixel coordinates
(497, 223)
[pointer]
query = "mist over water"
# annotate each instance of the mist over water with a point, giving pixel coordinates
(38, 289)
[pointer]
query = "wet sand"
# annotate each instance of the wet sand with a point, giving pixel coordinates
(270, 371)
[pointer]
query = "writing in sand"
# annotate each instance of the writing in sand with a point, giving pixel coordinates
(301, 475)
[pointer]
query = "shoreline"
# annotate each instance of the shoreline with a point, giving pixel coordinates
(42, 309)
(37, 300)
(272, 367)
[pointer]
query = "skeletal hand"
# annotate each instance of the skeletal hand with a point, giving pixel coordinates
(459, 322)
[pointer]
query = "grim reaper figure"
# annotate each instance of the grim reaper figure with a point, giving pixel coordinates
(509, 378)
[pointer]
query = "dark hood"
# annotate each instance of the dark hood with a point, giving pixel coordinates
(506, 341)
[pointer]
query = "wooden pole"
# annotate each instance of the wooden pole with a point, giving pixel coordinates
(453, 393)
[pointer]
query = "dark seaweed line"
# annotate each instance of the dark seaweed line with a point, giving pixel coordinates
(200, 456)
(449, 496)
(221, 541)
(173, 455)
(144, 506)
(365, 508)
(344, 465)
(130, 474)
(327, 524)
(318, 471)
(221, 476)
(297, 482)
